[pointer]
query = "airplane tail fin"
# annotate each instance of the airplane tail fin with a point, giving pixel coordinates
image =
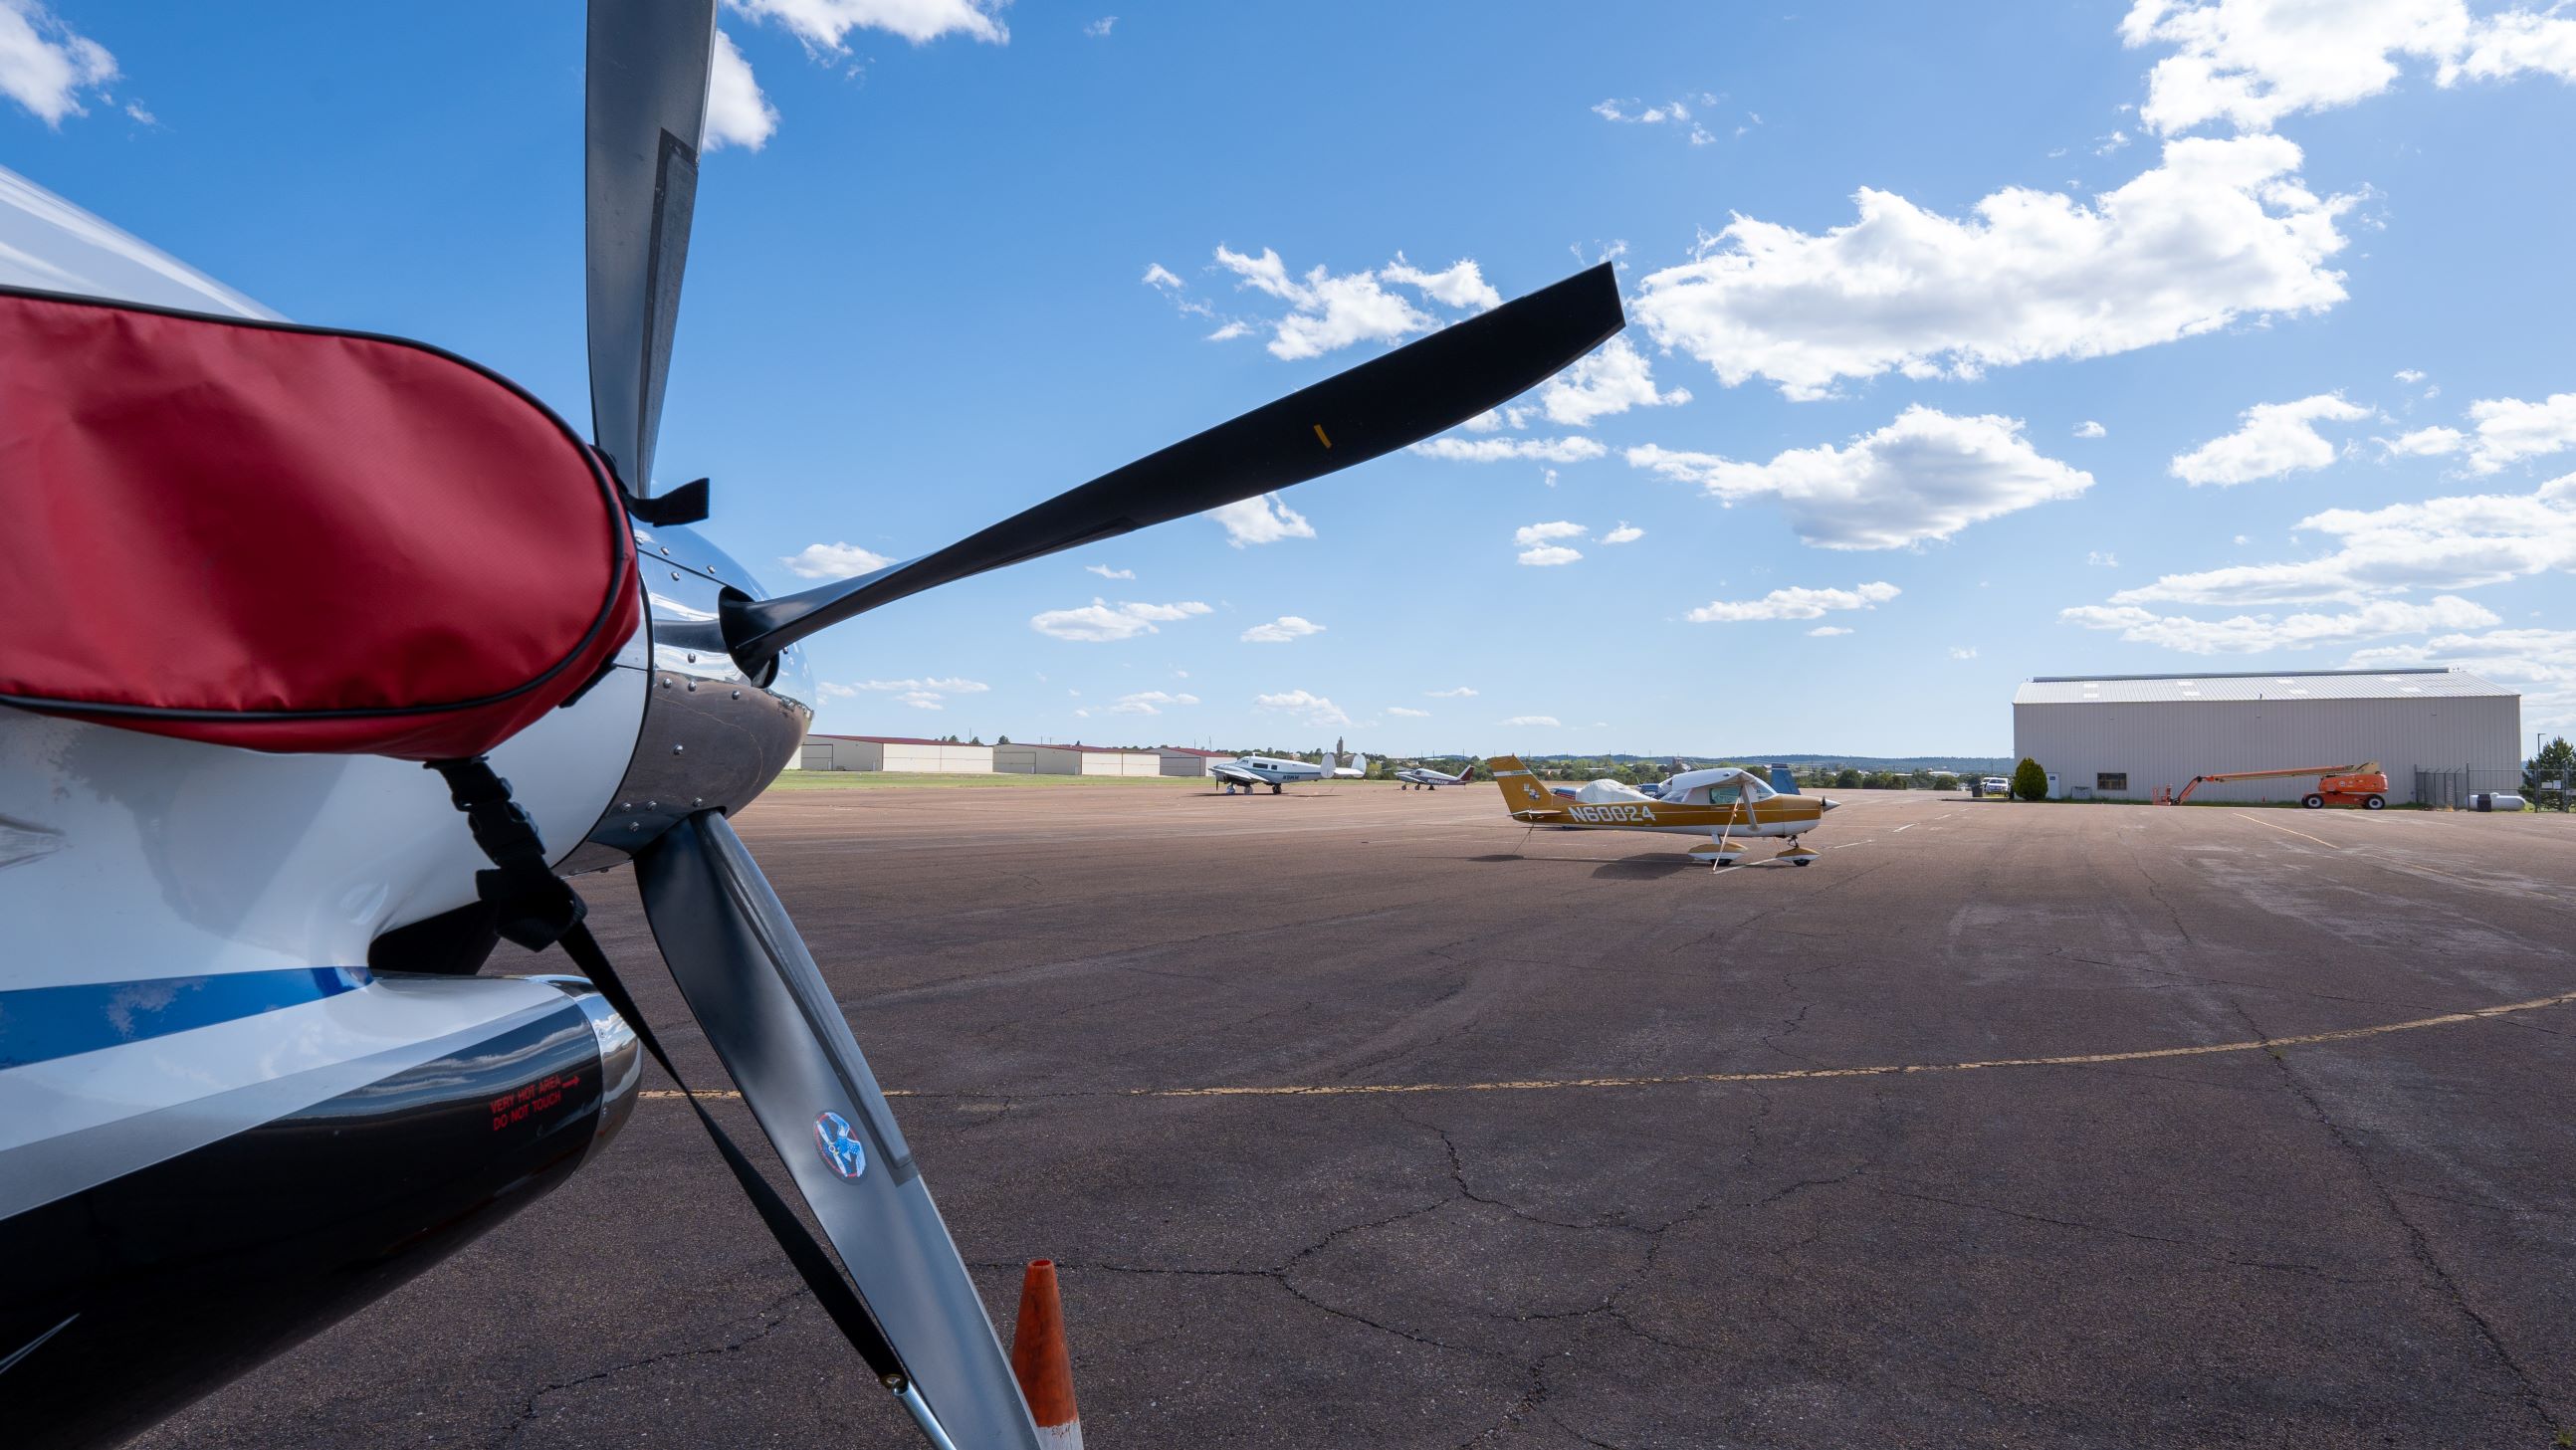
(1784, 780)
(1521, 791)
(1359, 763)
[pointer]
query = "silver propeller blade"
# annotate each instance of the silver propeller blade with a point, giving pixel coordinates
(753, 986)
(644, 117)
(1351, 417)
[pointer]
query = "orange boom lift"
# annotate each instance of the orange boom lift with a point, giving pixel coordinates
(2363, 785)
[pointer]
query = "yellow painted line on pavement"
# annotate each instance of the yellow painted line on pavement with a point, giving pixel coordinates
(1803, 1074)
(2258, 820)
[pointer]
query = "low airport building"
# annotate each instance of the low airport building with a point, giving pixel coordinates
(2440, 734)
(894, 752)
(1183, 760)
(1076, 760)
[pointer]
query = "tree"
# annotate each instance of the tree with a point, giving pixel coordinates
(1001, 740)
(1847, 779)
(1944, 780)
(2029, 782)
(2555, 762)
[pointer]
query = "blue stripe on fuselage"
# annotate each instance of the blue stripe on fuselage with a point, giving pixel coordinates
(39, 1024)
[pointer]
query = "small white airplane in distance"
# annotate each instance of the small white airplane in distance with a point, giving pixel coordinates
(1429, 779)
(1249, 772)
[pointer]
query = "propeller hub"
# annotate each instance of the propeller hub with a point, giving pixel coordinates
(714, 735)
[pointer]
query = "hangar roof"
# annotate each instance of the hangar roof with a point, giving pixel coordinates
(2254, 685)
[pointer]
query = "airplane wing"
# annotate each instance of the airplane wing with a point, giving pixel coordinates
(51, 245)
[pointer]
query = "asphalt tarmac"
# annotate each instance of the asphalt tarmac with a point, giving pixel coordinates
(1361, 1117)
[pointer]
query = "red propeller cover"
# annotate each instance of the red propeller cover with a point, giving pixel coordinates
(290, 539)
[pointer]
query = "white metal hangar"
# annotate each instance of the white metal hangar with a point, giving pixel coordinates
(894, 752)
(2438, 733)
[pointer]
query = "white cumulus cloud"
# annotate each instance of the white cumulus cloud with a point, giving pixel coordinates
(1460, 693)
(1611, 379)
(930, 694)
(1538, 546)
(2541, 663)
(1925, 476)
(1626, 533)
(834, 561)
(2260, 633)
(2250, 63)
(2460, 542)
(48, 67)
(1499, 450)
(946, 685)
(1541, 533)
(2090, 429)
(1283, 630)
(1099, 29)
(1794, 603)
(1105, 572)
(1262, 520)
(1460, 284)
(2276, 438)
(1547, 720)
(1328, 311)
(824, 24)
(1312, 708)
(737, 113)
(2510, 429)
(1826, 631)
(2425, 442)
(1100, 621)
(2220, 229)
(1149, 702)
(1408, 712)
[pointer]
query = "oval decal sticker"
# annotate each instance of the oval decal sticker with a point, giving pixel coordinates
(841, 1148)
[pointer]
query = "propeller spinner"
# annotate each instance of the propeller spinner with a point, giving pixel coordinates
(716, 743)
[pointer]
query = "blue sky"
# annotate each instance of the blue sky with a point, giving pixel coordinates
(2307, 289)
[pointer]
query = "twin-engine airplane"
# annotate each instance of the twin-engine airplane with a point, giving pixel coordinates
(1429, 779)
(253, 1075)
(1250, 772)
(1723, 803)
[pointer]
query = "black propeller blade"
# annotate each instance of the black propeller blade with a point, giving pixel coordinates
(754, 988)
(1379, 406)
(645, 115)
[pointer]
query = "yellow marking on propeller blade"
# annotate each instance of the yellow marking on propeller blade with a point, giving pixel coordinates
(1802, 1074)
(1319, 433)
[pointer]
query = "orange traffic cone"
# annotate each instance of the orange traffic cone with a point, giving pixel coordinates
(1040, 1363)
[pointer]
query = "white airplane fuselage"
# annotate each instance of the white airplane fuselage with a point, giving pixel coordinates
(1252, 772)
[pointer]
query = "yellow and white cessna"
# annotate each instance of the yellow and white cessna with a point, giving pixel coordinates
(1727, 805)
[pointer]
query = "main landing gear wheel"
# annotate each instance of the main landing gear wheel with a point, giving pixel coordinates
(1796, 855)
(2374, 803)
(2313, 802)
(1274, 790)
(1715, 855)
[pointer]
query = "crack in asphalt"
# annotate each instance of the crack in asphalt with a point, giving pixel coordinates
(770, 1313)
(2420, 1246)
